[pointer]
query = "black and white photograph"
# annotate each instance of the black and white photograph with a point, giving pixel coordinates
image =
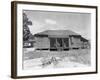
(56, 39)
(53, 39)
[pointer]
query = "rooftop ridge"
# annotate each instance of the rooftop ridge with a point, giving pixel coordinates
(57, 32)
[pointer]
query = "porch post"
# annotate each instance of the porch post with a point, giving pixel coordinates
(69, 41)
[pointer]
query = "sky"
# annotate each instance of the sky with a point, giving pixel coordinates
(49, 20)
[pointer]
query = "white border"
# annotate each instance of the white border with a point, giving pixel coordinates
(21, 72)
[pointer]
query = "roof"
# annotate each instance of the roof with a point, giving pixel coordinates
(57, 32)
(83, 39)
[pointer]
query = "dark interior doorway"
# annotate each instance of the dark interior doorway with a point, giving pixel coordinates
(66, 43)
(59, 44)
(53, 44)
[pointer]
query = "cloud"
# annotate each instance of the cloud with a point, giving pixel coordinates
(50, 21)
(37, 27)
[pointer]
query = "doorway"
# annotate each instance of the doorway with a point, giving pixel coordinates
(59, 44)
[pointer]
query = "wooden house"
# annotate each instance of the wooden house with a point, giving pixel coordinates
(55, 40)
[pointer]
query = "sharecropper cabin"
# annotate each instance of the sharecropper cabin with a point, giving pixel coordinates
(54, 40)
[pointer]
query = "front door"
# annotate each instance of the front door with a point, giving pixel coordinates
(53, 44)
(59, 44)
(65, 43)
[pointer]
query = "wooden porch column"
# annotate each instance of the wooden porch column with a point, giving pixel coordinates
(70, 41)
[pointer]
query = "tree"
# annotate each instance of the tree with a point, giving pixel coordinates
(26, 31)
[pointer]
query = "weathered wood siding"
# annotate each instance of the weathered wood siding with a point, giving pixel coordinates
(42, 42)
(75, 42)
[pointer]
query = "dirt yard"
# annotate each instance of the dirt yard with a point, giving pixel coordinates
(79, 56)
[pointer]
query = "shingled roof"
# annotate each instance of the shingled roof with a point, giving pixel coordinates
(57, 32)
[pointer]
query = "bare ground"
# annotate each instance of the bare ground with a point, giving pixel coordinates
(82, 56)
